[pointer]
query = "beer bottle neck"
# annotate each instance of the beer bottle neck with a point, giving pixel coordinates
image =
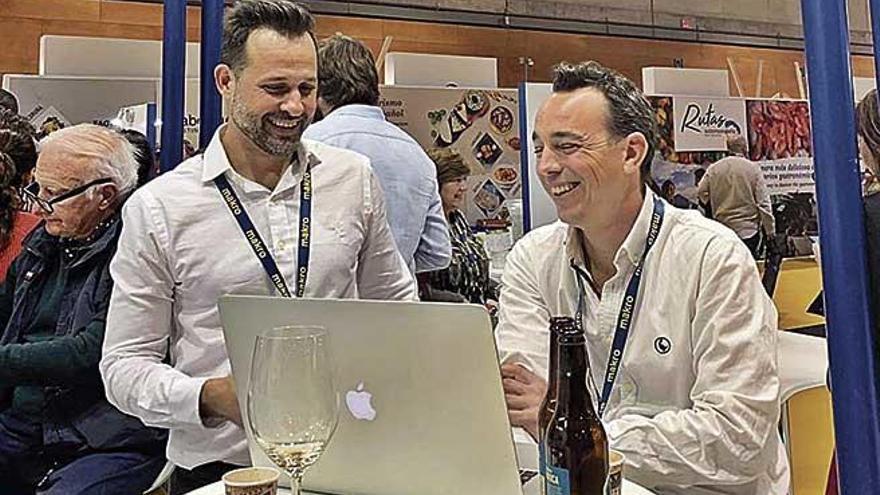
(571, 382)
(554, 354)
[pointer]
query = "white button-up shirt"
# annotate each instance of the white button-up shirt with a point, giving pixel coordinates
(695, 405)
(181, 249)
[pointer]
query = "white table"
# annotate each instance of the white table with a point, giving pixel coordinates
(526, 453)
(531, 488)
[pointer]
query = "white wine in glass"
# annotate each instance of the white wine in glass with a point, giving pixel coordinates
(292, 401)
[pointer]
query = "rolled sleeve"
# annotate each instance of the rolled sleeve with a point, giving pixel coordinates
(523, 319)
(435, 249)
(725, 438)
(136, 376)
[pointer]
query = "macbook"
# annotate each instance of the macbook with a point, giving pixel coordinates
(422, 408)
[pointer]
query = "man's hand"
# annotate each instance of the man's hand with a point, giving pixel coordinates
(218, 401)
(524, 391)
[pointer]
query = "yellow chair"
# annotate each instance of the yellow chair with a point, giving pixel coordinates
(809, 438)
(799, 282)
(806, 417)
(797, 285)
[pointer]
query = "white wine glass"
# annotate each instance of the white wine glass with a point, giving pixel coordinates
(292, 402)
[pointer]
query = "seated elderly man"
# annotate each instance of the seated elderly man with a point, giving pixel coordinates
(58, 433)
(679, 331)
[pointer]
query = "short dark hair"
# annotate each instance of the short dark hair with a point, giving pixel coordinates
(146, 160)
(347, 72)
(8, 101)
(449, 163)
(285, 17)
(629, 110)
(20, 145)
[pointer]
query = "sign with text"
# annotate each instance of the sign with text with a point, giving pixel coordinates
(705, 124)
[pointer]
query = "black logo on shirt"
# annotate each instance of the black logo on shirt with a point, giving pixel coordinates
(662, 345)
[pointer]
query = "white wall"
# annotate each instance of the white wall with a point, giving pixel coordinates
(420, 69)
(82, 56)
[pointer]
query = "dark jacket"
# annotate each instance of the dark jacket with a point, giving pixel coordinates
(65, 367)
(872, 233)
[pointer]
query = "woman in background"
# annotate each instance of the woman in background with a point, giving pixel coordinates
(467, 277)
(868, 119)
(18, 154)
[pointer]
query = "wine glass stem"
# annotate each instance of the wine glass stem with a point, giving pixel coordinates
(294, 485)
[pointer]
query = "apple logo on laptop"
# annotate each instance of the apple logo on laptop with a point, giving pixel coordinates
(358, 402)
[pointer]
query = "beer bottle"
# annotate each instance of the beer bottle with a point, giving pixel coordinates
(548, 405)
(576, 448)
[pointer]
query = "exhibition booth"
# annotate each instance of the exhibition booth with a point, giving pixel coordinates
(458, 106)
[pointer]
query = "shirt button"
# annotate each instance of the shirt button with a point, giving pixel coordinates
(282, 245)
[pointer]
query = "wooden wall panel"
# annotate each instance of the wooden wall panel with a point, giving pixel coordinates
(22, 22)
(20, 39)
(73, 10)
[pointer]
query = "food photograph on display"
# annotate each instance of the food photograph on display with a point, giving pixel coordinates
(505, 176)
(488, 198)
(487, 150)
(501, 119)
(778, 129)
(481, 125)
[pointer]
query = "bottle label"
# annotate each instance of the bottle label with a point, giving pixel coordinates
(557, 481)
(542, 463)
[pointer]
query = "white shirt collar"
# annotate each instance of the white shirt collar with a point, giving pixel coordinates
(216, 162)
(633, 246)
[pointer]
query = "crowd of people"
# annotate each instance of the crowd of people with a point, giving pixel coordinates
(112, 355)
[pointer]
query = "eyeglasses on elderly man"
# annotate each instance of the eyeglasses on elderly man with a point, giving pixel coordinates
(32, 194)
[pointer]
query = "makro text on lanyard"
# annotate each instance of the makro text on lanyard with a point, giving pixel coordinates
(256, 242)
(625, 317)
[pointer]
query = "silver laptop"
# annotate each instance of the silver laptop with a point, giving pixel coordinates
(432, 371)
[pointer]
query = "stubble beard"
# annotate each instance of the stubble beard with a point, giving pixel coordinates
(251, 125)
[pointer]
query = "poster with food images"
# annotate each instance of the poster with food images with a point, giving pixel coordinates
(780, 141)
(47, 120)
(482, 125)
(777, 134)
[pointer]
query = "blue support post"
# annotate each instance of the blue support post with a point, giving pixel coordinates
(841, 226)
(151, 126)
(875, 29)
(173, 73)
(209, 98)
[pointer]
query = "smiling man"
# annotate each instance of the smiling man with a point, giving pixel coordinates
(693, 403)
(260, 212)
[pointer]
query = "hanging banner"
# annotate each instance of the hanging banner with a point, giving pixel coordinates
(779, 140)
(705, 124)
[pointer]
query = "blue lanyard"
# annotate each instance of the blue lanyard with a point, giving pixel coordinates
(256, 242)
(625, 317)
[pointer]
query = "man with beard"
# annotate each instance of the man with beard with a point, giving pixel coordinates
(260, 212)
